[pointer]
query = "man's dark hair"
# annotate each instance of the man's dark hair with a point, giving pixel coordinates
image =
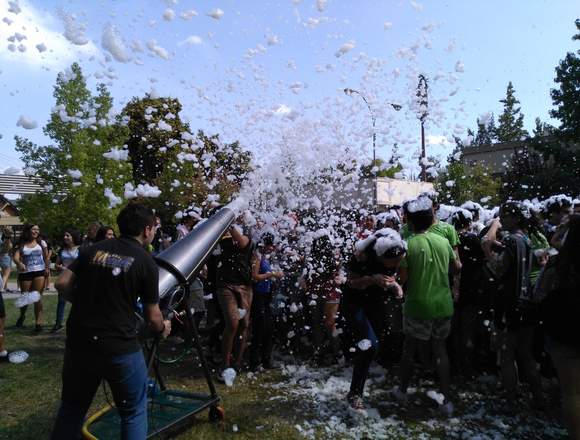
(420, 220)
(133, 218)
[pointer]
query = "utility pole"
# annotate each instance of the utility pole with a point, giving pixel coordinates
(423, 101)
(396, 107)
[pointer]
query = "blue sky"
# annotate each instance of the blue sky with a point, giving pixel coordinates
(261, 56)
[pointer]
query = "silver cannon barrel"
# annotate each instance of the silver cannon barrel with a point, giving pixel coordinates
(182, 261)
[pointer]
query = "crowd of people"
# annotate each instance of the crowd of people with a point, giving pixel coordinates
(456, 291)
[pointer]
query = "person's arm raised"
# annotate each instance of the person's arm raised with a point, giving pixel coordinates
(241, 240)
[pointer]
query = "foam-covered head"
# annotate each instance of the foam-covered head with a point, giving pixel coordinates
(461, 218)
(384, 243)
(388, 243)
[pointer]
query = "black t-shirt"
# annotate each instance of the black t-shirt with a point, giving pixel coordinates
(472, 262)
(234, 265)
(110, 276)
(370, 267)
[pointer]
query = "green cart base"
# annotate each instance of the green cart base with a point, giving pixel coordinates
(168, 411)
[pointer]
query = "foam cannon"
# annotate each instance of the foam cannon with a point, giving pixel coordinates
(178, 266)
(180, 263)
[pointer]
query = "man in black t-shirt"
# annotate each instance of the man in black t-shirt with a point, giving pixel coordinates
(104, 285)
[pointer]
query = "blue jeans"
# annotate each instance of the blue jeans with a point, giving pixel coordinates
(82, 374)
(366, 319)
(60, 309)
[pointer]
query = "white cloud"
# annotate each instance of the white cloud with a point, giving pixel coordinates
(44, 30)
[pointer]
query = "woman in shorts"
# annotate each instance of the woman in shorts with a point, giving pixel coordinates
(67, 254)
(31, 258)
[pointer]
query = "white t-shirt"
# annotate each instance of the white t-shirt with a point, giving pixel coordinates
(67, 256)
(32, 258)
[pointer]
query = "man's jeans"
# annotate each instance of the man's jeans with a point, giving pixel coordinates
(81, 376)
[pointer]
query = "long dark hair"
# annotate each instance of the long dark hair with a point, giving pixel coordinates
(27, 233)
(76, 236)
(569, 258)
(102, 233)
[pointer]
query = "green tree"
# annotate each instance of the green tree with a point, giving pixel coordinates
(73, 170)
(511, 122)
(547, 166)
(457, 185)
(189, 169)
(566, 98)
(541, 170)
(543, 128)
(485, 132)
(155, 132)
(380, 168)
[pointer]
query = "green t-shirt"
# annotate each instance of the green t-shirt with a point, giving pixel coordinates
(427, 261)
(443, 229)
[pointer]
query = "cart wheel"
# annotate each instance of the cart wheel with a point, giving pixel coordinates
(216, 414)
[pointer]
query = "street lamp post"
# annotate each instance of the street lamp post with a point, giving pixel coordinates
(397, 107)
(422, 94)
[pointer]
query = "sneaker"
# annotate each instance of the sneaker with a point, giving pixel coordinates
(446, 409)
(56, 328)
(355, 401)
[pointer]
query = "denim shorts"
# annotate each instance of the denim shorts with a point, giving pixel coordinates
(5, 261)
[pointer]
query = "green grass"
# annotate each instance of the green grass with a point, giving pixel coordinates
(31, 391)
(29, 396)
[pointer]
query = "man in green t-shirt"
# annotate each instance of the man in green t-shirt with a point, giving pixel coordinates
(428, 303)
(443, 229)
